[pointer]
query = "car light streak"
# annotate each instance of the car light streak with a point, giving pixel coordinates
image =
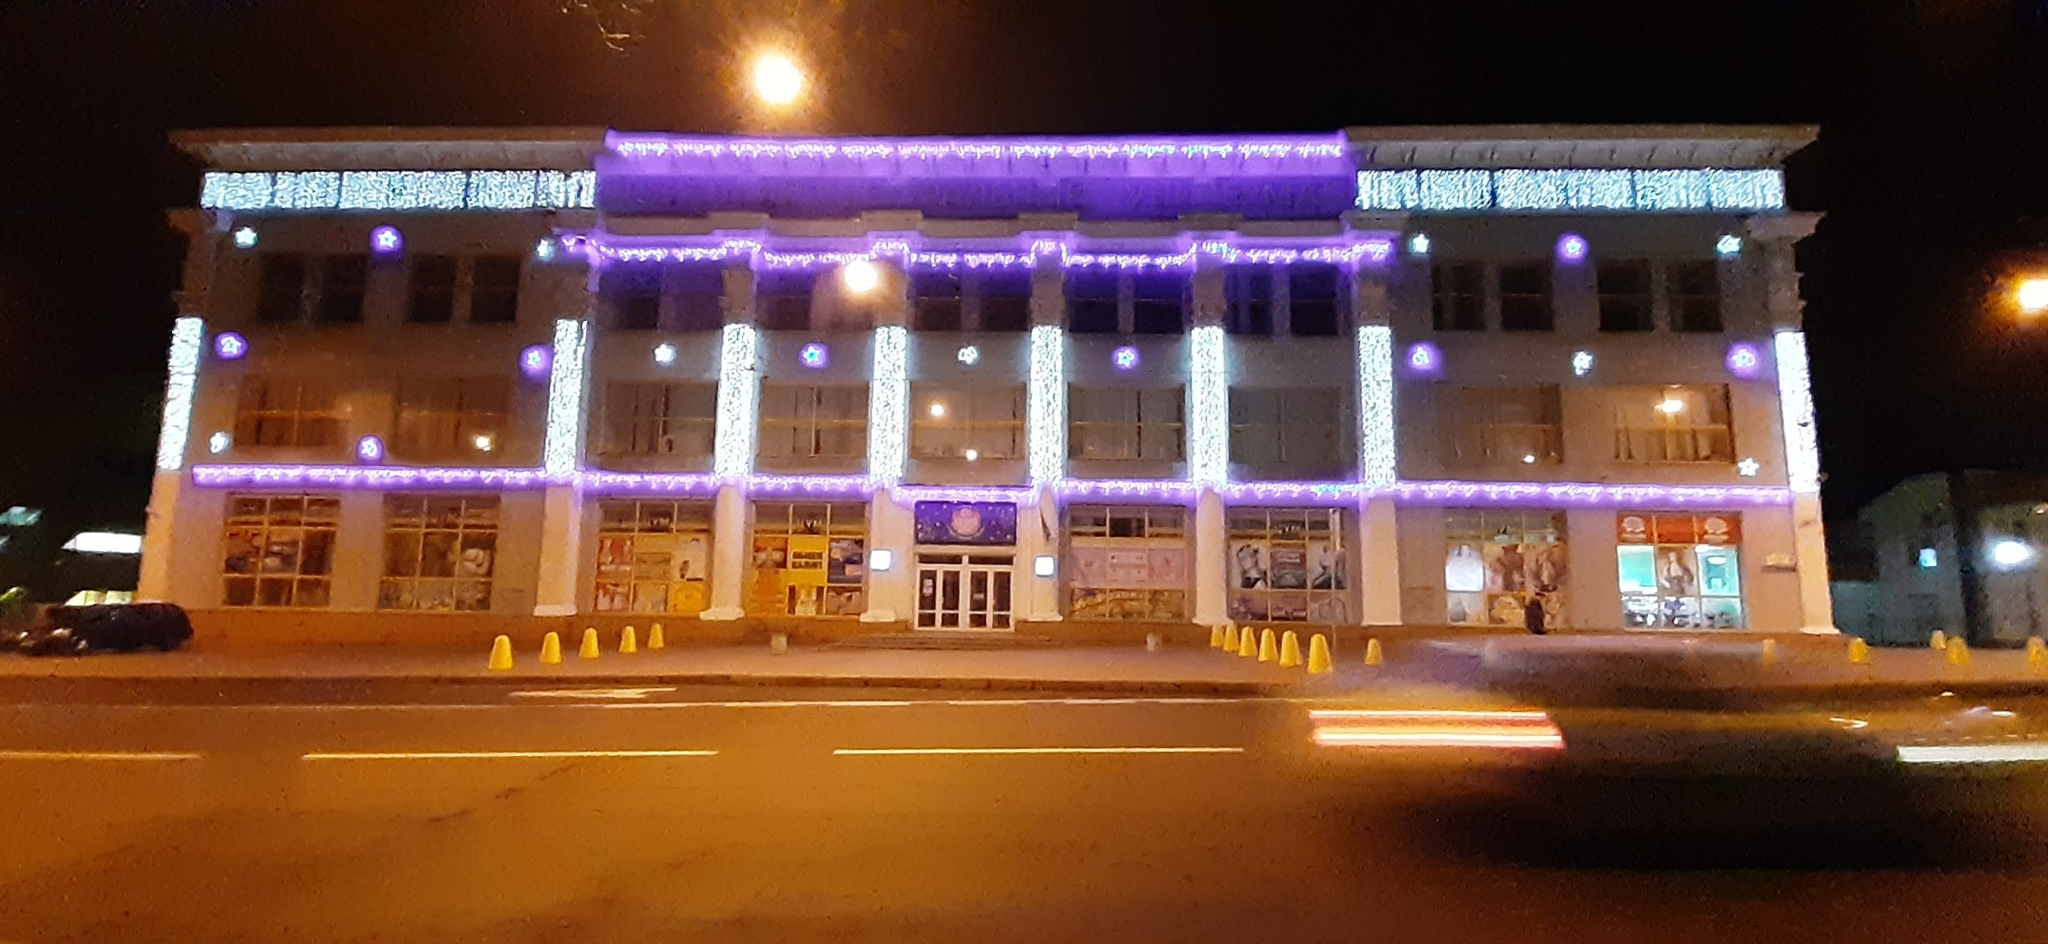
(2021, 753)
(1436, 728)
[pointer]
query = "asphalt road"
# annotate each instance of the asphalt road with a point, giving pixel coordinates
(498, 814)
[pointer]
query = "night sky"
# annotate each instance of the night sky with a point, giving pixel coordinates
(1932, 163)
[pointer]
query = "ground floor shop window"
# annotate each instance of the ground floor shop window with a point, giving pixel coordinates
(1287, 564)
(279, 550)
(809, 559)
(1680, 571)
(1498, 564)
(440, 552)
(653, 557)
(1127, 562)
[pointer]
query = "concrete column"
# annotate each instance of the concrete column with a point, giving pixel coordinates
(159, 543)
(561, 528)
(1211, 576)
(728, 553)
(1036, 599)
(1774, 237)
(1282, 302)
(1379, 550)
(892, 594)
(561, 545)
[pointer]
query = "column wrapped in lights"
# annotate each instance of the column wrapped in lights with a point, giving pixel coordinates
(188, 337)
(1046, 405)
(1795, 403)
(565, 399)
(889, 405)
(739, 394)
(1209, 401)
(1376, 405)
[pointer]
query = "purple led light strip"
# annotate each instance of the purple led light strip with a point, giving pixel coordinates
(1523, 494)
(1351, 251)
(642, 147)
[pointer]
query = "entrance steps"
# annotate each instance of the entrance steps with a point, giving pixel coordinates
(931, 639)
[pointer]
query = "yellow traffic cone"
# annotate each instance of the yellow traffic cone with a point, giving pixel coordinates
(629, 643)
(1215, 637)
(1373, 655)
(1958, 652)
(589, 649)
(1230, 639)
(1290, 650)
(551, 649)
(1938, 641)
(2037, 653)
(501, 654)
(1859, 651)
(1267, 650)
(654, 640)
(1247, 643)
(1768, 652)
(1319, 656)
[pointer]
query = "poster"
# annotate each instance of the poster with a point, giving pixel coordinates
(846, 562)
(1128, 567)
(1289, 567)
(1248, 566)
(986, 523)
(1113, 603)
(1494, 582)
(1325, 566)
(805, 565)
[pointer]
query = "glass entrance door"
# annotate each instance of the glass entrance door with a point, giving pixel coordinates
(964, 591)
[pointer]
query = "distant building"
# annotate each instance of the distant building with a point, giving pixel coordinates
(470, 378)
(1959, 552)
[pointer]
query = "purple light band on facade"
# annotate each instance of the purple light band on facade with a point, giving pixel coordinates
(1745, 361)
(1447, 493)
(1195, 156)
(1352, 250)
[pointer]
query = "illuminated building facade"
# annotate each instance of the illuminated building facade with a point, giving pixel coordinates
(1082, 387)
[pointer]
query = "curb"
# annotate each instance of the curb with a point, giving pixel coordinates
(711, 679)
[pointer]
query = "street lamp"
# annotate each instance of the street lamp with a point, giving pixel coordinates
(2032, 295)
(777, 80)
(860, 276)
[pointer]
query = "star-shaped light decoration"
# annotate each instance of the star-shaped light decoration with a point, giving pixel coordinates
(1748, 468)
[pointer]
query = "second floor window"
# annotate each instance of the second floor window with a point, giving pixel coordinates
(1126, 423)
(1525, 296)
(285, 413)
(494, 290)
(1312, 292)
(1157, 302)
(1624, 286)
(452, 419)
(1092, 302)
(653, 419)
(1521, 425)
(1248, 300)
(782, 300)
(1458, 296)
(800, 422)
(936, 300)
(1673, 424)
(1292, 426)
(1005, 300)
(431, 292)
(344, 279)
(281, 289)
(1696, 296)
(948, 422)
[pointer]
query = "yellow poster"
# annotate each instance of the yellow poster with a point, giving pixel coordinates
(806, 567)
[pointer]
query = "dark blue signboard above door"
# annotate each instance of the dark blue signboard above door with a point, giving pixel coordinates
(944, 522)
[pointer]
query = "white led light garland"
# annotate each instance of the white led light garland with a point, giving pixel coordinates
(739, 394)
(188, 337)
(399, 190)
(1525, 189)
(1046, 405)
(1795, 403)
(889, 405)
(565, 399)
(1376, 453)
(1209, 399)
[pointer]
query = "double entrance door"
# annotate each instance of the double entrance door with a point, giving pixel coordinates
(964, 591)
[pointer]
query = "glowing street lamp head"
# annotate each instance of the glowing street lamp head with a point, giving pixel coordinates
(2032, 295)
(860, 276)
(777, 80)
(2009, 554)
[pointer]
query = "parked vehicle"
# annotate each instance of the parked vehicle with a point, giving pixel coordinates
(78, 630)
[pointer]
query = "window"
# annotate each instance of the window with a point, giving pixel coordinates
(813, 422)
(1624, 287)
(783, 300)
(1680, 571)
(281, 293)
(653, 419)
(1296, 426)
(451, 419)
(1092, 301)
(1127, 562)
(1156, 303)
(494, 290)
(279, 550)
(700, 297)
(635, 296)
(431, 294)
(273, 411)
(1312, 291)
(935, 300)
(1126, 423)
(1457, 299)
(1673, 424)
(1525, 297)
(1005, 300)
(810, 559)
(1499, 563)
(1696, 296)
(966, 422)
(343, 280)
(1248, 300)
(1288, 565)
(439, 552)
(653, 557)
(1521, 425)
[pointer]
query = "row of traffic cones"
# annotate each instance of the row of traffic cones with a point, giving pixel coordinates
(1283, 649)
(1955, 650)
(551, 646)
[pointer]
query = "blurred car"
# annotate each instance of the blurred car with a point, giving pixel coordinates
(78, 630)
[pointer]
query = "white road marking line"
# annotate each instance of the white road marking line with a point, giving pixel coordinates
(757, 704)
(493, 755)
(98, 755)
(617, 693)
(1973, 753)
(946, 751)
